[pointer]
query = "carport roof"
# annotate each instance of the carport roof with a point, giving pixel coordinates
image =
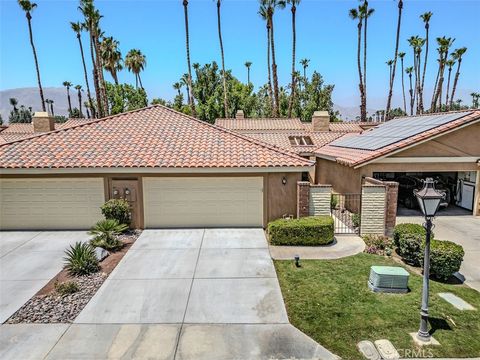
(356, 157)
(152, 137)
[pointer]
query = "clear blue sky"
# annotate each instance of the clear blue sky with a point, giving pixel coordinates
(325, 35)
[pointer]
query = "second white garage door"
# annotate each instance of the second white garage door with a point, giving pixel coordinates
(203, 201)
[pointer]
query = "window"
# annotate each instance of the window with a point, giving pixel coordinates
(300, 140)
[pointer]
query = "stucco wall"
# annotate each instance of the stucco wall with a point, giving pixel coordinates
(281, 199)
(343, 179)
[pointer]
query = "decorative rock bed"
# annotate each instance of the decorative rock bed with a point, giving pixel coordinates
(48, 306)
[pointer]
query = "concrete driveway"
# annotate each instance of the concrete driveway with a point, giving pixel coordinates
(28, 260)
(463, 230)
(180, 294)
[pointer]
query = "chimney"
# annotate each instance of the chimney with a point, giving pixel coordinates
(42, 122)
(239, 115)
(320, 121)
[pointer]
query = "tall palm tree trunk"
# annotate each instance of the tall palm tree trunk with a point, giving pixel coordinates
(224, 76)
(412, 99)
(140, 81)
(79, 94)
(419, 84)
(274, 69)
(392, 79)
(269, 72)
(363, 111)
(403, 87)
(95, 80)
(187, 45)
(455, 81)
(438, 93)
(69, 101)
(432, 105)
(427, 26)
(101, 79)
(365, 57)
(248, 76)
(40, 89)
(89, 95)
(448, 88)
(294, 44)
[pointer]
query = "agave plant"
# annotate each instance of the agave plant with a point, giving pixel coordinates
(80, 259)
(106, 233)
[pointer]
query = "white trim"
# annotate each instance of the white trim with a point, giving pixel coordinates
(417, 143)
(326, 157)
(99, 170)
(432, 159)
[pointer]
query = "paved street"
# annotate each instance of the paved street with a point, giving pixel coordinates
(463, 230)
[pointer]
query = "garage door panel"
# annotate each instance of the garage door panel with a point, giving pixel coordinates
(197, 202)
(66, 203)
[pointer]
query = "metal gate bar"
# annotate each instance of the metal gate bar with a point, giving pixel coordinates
(345, 209)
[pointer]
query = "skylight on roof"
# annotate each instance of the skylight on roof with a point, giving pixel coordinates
(300, 140)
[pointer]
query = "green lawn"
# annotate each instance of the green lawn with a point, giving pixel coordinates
(329, 300)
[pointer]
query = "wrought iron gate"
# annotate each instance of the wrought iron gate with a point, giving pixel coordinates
(345, 209)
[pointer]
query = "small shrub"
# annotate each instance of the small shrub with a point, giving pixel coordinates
(377, 244)
(402, 230)
(106, 233)
(306, 231)
(356, 220)
(333, 202)
(80, 259)
(410, 247)
(117, 209)
(445, 258)
(66, 288)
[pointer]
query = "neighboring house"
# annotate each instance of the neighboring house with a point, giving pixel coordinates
(18, 131)
(175, 170)
(444, 146)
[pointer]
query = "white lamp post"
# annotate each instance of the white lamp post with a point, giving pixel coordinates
(429, 200)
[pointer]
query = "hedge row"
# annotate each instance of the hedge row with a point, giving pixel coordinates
(306, 231)
(445, 256)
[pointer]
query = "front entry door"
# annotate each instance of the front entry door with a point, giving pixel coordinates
(128, 190)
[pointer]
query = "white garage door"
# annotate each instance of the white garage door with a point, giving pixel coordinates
(66, 203)
(198, 202)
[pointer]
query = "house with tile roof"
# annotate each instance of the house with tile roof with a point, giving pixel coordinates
(175, 171)
(444, 146)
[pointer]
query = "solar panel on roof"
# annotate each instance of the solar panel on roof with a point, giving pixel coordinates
(395, 131)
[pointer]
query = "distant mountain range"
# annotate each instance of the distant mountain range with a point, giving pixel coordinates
(30, 97)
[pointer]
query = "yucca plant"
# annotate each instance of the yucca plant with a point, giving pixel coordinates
(106, 233)
(80, 259)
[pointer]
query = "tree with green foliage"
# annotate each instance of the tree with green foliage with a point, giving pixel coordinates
(125, 97)
(20, 114)
(135, 62)
(457, 55)
(111, 57)
(248, 64)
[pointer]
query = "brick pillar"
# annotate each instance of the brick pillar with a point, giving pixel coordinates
(391, 206)
(320, 199)
(373, 209)
(303, 198)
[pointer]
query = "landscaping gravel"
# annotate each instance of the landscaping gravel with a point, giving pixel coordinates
(55, 308)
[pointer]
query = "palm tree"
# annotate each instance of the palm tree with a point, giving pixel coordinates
(416, 43)
(293, 9)
(224, 77)
(187, 45)
(79, 94)
(366, 13)
(271, 6)
(443, 49)
(77, 28)
(305, 63)
(14, 103)
(426, 19)
(457, 55)
(392, 78)
(263, 12)
(135, 62)
(184, 81)
(247, 65)
(475, 96)
(389, 64)
(178, 86)
(409, 71)
(87, 106)
(401, 55)
(356, 14)
(450, 63)
(68, 84)
(50, 102)
(111, 57)
(28, 7)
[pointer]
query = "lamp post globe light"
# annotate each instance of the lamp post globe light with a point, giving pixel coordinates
(429, 200)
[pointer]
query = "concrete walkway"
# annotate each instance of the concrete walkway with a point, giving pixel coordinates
(343, 246)
(463, 230)
(28, 260)
(178, 294)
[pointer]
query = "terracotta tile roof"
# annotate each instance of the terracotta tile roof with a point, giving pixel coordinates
(356, 157)
(278, 124)
(255, 124)
(282, 139)
(153, 137)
